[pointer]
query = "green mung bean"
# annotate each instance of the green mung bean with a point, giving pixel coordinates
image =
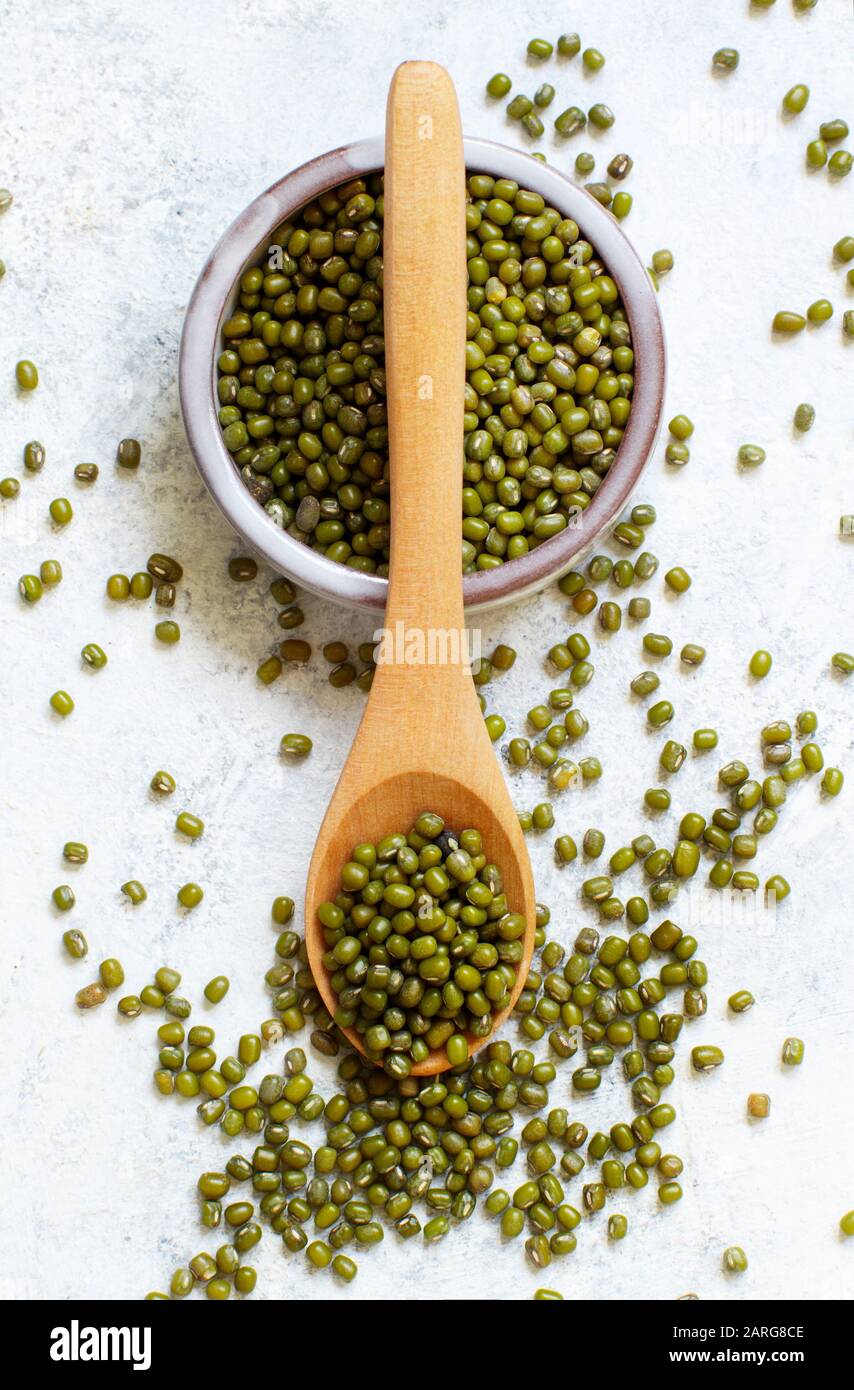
(593, 59)
(787, 321)
(141, 585)
(90, 996)
(75, 944)
(135, 891)
(760, 664)
(26, 375)
(118, 588)
(62, 703)
(726, 59)
(93, 655)
(568, 45)
(190, 895)
(128, 453)
(832, 781)
(50, 573)
(499, 85)
(540, 48)
(601, 116)
(734, 1260)
(678, 579)
(751, 455)
(758, 1105)
(30, 588)
(296, 745)
(63, 897)
(796, 99)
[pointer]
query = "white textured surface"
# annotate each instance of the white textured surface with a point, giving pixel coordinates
(135, 135)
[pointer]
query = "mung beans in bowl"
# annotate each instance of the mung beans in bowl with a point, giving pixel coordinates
(282, 376)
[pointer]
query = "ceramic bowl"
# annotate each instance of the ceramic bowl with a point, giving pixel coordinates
(214, 299)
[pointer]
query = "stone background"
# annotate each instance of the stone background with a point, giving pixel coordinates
(131, 136)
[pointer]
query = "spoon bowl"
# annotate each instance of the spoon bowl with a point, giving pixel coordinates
(395, 804)
(422, 744)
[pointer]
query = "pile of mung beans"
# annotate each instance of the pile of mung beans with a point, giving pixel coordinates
(449, 942)
(397, 1146)
(549, 376)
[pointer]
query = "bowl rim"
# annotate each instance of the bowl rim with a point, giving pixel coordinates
(210, 304)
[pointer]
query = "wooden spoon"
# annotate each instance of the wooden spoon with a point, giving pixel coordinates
(422, 744)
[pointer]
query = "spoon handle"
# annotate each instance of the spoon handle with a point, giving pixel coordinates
(424, 292)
